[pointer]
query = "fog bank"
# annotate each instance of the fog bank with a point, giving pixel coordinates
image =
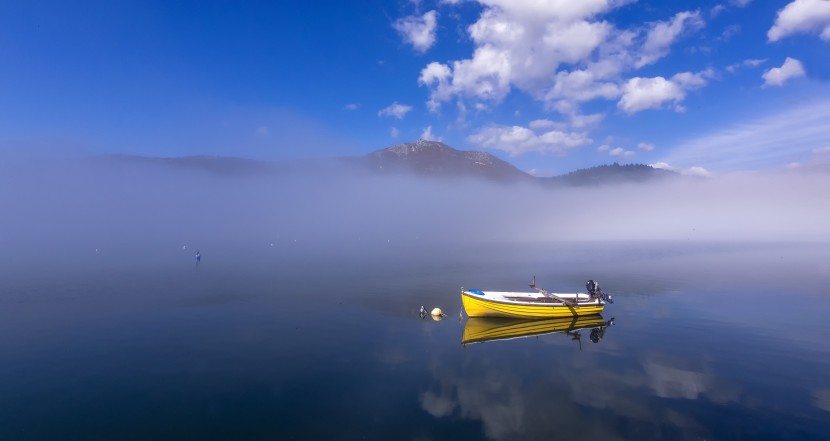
(74, 207)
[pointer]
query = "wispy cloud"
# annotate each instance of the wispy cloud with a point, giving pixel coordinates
(395, 110)
(765, 142)
(427, 135)
(732, 68)
(419, 31)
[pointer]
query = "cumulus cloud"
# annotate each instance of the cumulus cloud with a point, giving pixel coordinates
(802, 16)
(437, 76)
(395, 110)
(621, 153)
(581, 86)
(648, 93)
(518, 140)
(777, 76)
(644, 146)
(560, 53)
(653, 93)
(419, 31)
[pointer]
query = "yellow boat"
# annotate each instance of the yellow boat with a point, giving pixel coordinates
(481, 329)
(539, 304)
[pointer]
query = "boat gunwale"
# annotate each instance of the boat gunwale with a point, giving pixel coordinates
(553, 304)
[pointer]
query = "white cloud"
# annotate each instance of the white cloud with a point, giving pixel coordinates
(395, 110)
(645, 146)
(580, 86)
(689, 80)
(621, 153)
(418, 31)
(580, 121)
(716, 10)
(427, 135)
(648, 93)
(518, 140)
(542, 124)
(730, 31)
(732, 68)
(777, 76)
(520, 44)
(802, 16)
(690, 171)
(437, 75)
(559, 52)
(394, 132)
(663, 34)
(351, 106)
(775, 139)
(653, 93)
(696, 171)
(740, 3)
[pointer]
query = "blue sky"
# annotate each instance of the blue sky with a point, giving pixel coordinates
(549, 85)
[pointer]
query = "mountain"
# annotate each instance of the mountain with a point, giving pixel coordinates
(611, 174)
(433, 158)
(422, 158)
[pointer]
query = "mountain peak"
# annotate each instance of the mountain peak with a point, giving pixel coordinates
(418, 147)
(437, 158)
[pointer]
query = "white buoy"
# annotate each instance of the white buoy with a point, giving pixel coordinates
(437, 314)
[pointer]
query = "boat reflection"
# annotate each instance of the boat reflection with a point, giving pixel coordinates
(482, 329)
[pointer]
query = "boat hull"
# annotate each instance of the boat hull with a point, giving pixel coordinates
(482, 306)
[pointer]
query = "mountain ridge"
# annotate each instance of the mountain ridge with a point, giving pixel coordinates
(431, 159)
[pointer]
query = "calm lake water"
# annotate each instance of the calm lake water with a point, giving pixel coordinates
(261, 341)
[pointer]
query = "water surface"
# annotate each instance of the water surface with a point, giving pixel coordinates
(260, 341)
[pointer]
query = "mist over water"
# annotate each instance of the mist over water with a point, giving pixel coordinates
(301, 318)
(52, 208)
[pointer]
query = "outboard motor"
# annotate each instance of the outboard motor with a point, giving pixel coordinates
(596, 293)
(592, 288)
